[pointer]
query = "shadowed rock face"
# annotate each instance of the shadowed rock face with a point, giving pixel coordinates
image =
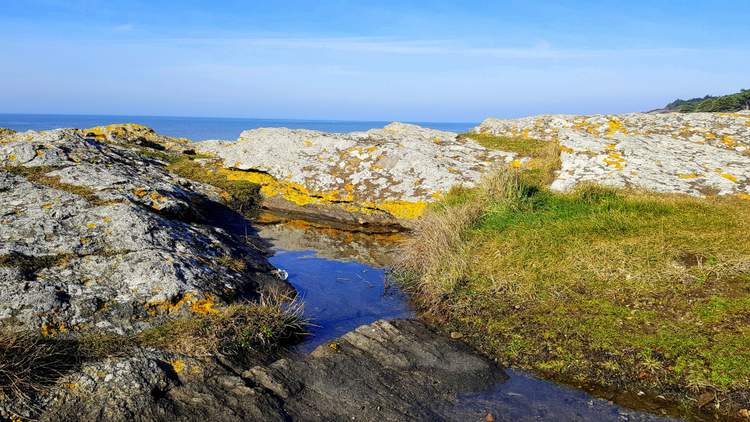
(92, 233)
(695, 154)
(386, 371)
(379, 178)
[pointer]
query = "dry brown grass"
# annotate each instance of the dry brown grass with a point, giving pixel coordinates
(246, 333)
(435, 256)
(30, 363)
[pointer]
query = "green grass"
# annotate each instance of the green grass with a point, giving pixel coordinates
(525, 147)
(623, 289)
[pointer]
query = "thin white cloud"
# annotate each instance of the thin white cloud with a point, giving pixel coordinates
(126, 27)
(540, 51)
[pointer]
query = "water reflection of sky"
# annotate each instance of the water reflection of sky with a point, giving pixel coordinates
(339, 296)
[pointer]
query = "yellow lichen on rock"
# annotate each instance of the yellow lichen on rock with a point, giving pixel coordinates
(688, 176)
(204, 306)
(615, 126)
(401, 209)
(730, 177)
(178, 365)
(567, 150)
(615, 160)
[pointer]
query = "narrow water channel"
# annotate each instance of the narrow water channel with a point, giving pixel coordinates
(342, 282)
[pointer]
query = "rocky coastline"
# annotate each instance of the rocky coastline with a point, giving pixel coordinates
(99, 234)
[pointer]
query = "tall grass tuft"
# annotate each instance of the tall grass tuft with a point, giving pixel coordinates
(434, 260)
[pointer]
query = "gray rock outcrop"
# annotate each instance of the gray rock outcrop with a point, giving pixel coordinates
(695, 154)
(386, 371)
(92, 233)
(378, 178)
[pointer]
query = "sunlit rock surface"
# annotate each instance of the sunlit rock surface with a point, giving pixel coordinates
(92, 233)
(696, 154)
(381, 177)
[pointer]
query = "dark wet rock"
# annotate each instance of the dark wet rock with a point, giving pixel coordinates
(155, 386)
(386, 371)
(92, 233)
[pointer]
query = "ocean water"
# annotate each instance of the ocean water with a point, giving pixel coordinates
(200, 128)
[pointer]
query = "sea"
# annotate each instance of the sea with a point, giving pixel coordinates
(202, 128)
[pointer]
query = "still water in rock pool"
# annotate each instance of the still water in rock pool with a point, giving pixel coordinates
(339, 296)
(342, 282)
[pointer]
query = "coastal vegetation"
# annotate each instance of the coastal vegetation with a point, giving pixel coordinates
(631, 290)
(245, 333)
(725, 103)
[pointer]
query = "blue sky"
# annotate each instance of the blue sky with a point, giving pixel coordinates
(384, 60)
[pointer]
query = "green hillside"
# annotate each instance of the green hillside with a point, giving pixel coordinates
(732, 102)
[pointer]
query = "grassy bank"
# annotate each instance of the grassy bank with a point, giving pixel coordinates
(630, 290)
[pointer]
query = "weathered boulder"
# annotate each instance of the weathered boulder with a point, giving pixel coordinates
(385, 371)
(137, 135)
(94, 234)
(696, 154)
(157, 386)
(374, 180)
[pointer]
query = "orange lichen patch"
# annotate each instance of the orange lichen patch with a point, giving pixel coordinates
(178, 365)
(615, 126)
(728, 141)
(688, 176)
(91, 225)
(730, 177)
(372, 148)
(565, 149)
(204, 306)
(140, 192)
(46, 205)
(167, 306)
(709, 136)
(71, 385)
(47, 330)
